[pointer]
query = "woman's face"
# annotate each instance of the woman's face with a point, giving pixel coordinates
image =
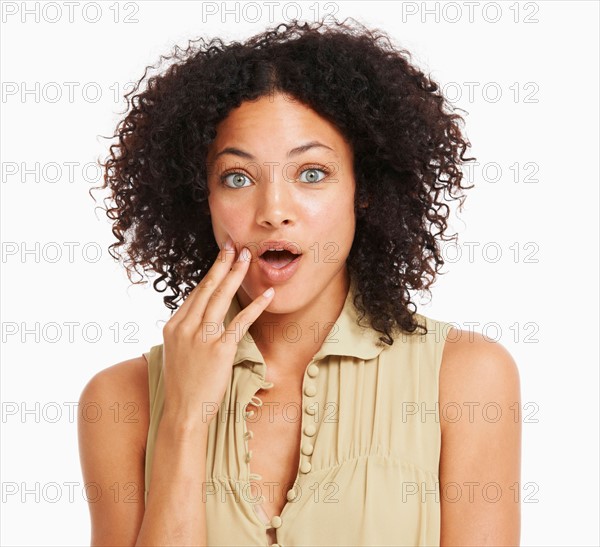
(263, 187)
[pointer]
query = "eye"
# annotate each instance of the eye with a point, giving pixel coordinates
(238, 179)
(312, 176)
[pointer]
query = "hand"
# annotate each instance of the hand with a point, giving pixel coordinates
(197, 355)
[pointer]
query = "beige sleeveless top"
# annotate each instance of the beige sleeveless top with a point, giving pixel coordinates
(370, 447)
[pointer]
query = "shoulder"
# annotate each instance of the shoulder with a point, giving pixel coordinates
(474, 368)
(479, 410)
(112, 426)
(126, 377)
(119, 393)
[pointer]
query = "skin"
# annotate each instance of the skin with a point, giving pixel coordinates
(476, 451)
(276, 202)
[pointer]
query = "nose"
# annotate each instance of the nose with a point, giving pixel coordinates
(275, 201)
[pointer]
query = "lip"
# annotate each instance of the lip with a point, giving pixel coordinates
(279, 275)
(279, 244)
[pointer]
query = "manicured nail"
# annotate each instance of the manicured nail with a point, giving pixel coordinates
(269, 292)
(244, 255)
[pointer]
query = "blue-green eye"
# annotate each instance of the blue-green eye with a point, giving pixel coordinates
(312, 176)
(238, 179)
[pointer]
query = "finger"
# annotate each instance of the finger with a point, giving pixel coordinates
(207, 285)
(242, 322)
(221, 298)
(211, 279)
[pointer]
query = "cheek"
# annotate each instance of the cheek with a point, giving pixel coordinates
(225, 213)
(227, 218)
(334, 226)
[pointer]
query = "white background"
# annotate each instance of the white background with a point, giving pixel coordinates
(543, 299)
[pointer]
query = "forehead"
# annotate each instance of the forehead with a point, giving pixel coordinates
(276, 123)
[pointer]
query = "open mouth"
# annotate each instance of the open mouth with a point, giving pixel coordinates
(280, 258)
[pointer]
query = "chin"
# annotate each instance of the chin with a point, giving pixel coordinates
(286, 299)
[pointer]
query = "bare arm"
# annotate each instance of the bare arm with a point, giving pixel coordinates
(112, 453)
(175, 511)
(480, 456)
(112, 450)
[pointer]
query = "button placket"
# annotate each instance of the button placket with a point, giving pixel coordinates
(308, 429)
(307, 446)
(256, 401)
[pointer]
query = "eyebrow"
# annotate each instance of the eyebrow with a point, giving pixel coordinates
(293, 152)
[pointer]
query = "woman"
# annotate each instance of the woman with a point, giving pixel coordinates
(294, 183)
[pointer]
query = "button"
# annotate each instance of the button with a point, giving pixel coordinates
(291, 494)
(276, 521)
(305, 467)
(248, 456)
(313, 370)
(310, 390)
(249, 435)
(310, 409)
(307, 449)
(310, 430)
(249, 414)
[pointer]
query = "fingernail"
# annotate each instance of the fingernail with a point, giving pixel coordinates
(244, 255)
(229, 243)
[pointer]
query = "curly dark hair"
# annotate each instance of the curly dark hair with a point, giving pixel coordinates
(406, 141)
